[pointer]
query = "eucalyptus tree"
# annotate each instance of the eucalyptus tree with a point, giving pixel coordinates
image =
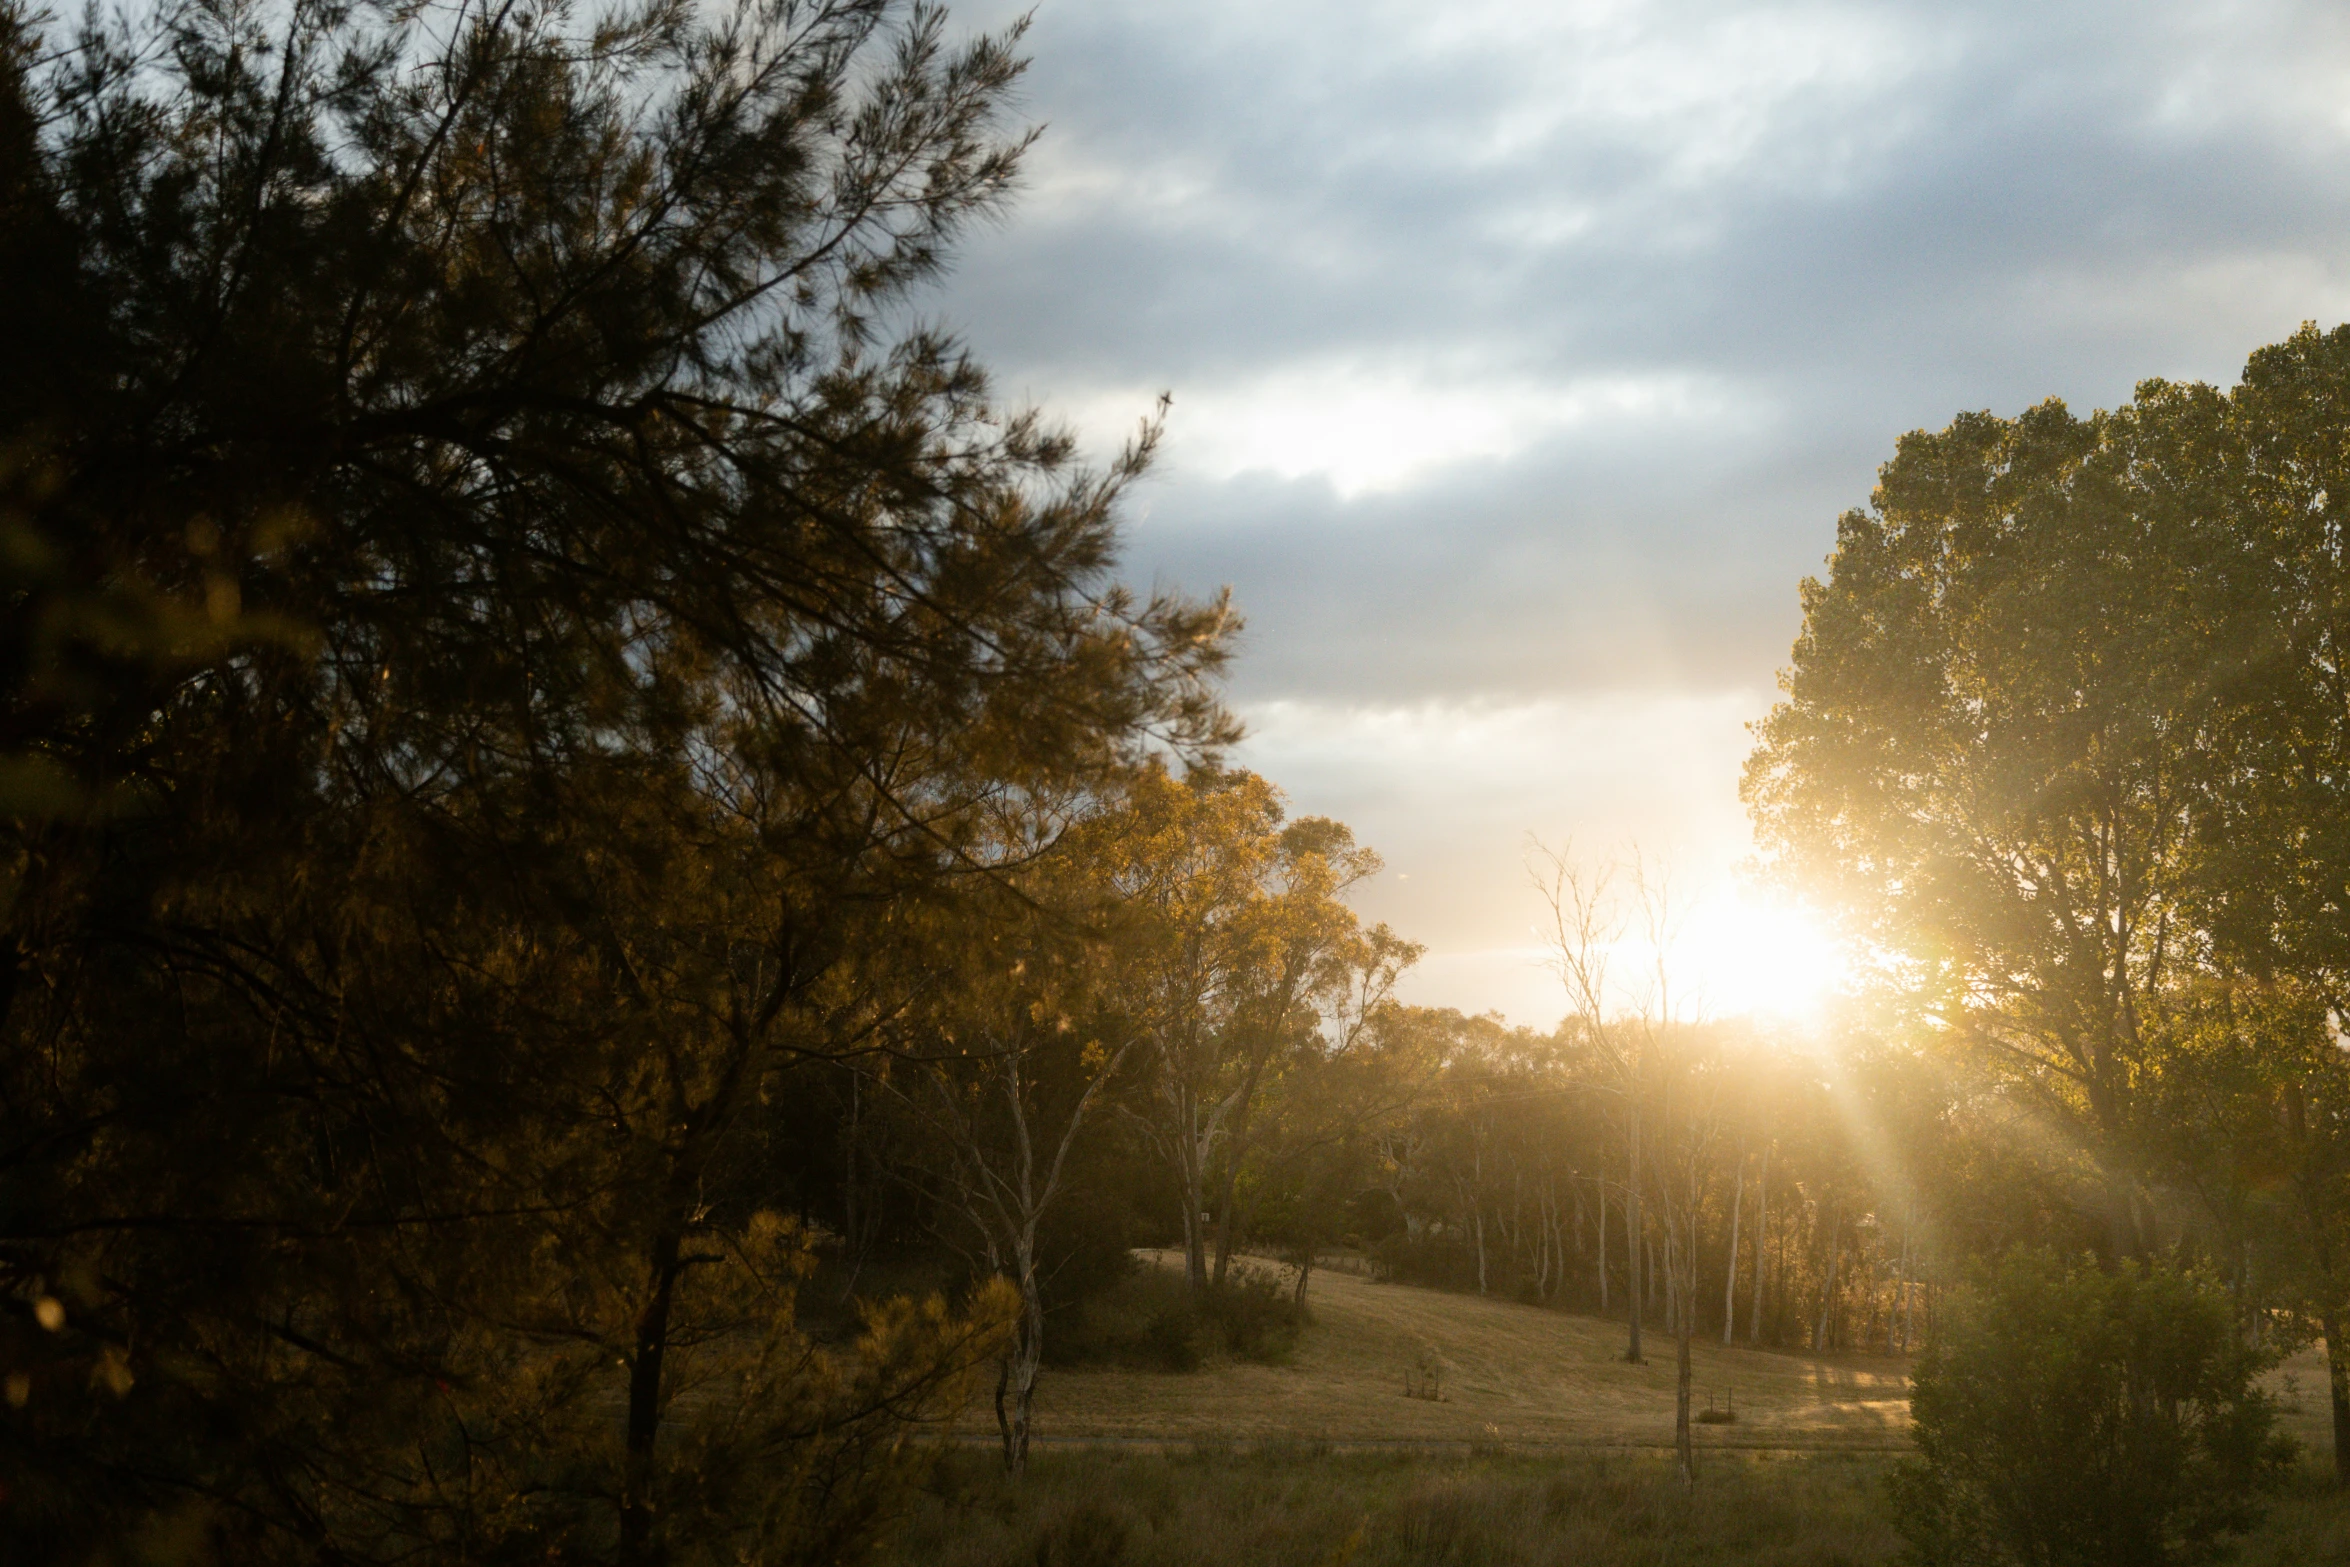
(1007, 1066)
(1617, 1025)
(1246, 941)
(1307, 1150)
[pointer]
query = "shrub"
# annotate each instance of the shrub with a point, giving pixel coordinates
(1254, 1316)
(1438, 1260)
(1150, 1320)
(1170, 1338)
(1145, 1320)
(2071, 1417)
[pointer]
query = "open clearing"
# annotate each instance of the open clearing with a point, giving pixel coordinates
(1515, 1374)
(1229, 1464)
(1512, 1373)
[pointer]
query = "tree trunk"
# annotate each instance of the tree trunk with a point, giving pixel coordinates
(2338, 1384)
(1684, 1445)
(1305, 1270)
(1582, 1228)
(1673, 1300)
(1602, 1247)
(1633, 1249)
(1909, 1286)
(1195, 1191)
(1225, 1238)
(644, 1404)
(2128, 1240)
(1541, 1248)
(1015, 1388)
(1819, 1334)
(642, 1427)
(1762, 1255)
(1730, 1279)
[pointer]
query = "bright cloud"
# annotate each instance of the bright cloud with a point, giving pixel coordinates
(1367, 429)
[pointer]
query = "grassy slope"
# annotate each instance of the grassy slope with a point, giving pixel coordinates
(1516, 1373)
(1238, 1472)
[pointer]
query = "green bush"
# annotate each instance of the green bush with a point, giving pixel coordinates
(1438, 1261)
(1145, 1321)
(1255, 1317)
(1149, 1320)
(2072, 1417)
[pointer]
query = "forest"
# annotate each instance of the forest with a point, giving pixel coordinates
(612, 919)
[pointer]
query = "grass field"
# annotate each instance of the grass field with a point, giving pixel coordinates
(1517, 1375)
(1544, 1450)
(1513, 1373)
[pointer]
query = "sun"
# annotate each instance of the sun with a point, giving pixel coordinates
(1741, 954)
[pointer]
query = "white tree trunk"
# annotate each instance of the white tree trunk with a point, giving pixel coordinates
(1762, 1230)
(1730, 1280)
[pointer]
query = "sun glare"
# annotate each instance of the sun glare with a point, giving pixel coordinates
(1743, 954)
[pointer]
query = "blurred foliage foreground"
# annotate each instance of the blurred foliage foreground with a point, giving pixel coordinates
(1305, 1506)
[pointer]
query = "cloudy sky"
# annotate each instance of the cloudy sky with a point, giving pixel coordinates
(1524, 353)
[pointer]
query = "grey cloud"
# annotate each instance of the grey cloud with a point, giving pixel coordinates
(2035, 199)
(1528, 581)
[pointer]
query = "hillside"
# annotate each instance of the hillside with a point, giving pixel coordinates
(1520, 1375)
(1513, 1372)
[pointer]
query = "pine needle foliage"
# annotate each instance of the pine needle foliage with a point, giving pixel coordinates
(512, 635)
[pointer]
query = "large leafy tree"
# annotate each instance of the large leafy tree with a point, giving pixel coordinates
(2264, 1134)
(2066, 734)
(509, 644)
(2276, 821)
(1988, 757)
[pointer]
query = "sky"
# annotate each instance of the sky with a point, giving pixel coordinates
(1524, 354)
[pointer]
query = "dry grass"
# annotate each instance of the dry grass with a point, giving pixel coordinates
(1301, 1505)
(2301, 1384)
(1304, 1506)
(1513, 1374)
(1325, 1462)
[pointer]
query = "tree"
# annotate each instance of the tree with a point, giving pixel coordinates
(2271, 820)
(505, 654)
(2253, 1120)
(1007, 1073)
(1587, 926)
(1246, 940)
(1663, 1063)
(2066, 733)
(1986, 757)
(1690, 1072)
(2068, 1415)
(1313, 1144)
